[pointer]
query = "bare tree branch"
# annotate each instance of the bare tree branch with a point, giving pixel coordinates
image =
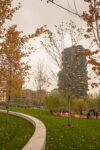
(72, 12)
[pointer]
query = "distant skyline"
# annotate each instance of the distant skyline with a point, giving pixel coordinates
(36, 13)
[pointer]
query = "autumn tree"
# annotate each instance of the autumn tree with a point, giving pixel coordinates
(15, 70)
(6, 13)
(12, 51)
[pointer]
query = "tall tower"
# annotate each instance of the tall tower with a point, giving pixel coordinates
(74, 71)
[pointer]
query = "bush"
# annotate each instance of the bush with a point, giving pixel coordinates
(91, 102)
(80, 105)
(55, 102)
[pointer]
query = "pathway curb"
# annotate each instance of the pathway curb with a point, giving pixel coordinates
(38, 139)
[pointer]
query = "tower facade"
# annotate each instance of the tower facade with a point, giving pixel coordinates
(73, 75)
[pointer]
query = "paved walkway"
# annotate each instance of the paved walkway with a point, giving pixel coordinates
(76, 116)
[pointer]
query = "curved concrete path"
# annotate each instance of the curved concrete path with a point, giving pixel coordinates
(38, 139)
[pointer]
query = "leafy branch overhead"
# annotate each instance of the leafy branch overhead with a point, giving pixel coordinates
(91, 16)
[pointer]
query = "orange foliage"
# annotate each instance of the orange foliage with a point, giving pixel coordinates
(93, 85)
(12, 44)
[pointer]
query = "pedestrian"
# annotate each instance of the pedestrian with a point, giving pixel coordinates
(94, 112)
(96, 115)
(88, 115)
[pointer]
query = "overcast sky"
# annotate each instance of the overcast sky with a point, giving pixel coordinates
(36, 13)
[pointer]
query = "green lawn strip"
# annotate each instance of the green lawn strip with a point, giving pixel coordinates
(16, 134)
(85, 134)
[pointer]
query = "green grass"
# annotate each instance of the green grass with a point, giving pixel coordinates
(16, 134)
(85, 134)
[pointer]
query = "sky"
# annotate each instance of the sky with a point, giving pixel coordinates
(36, 13)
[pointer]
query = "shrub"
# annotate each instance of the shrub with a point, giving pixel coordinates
(80, 105)
(55, 102)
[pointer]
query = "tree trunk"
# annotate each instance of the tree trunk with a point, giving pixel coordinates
(40, 111)
(81, 113)
(9, 92)
(40, 104)
(69, 113)
(70, 87)
(7, 108)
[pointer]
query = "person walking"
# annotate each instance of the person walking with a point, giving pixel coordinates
(88, 115)
(96, 115)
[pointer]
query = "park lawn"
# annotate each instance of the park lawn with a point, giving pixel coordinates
(85, 134)
(16, 134)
